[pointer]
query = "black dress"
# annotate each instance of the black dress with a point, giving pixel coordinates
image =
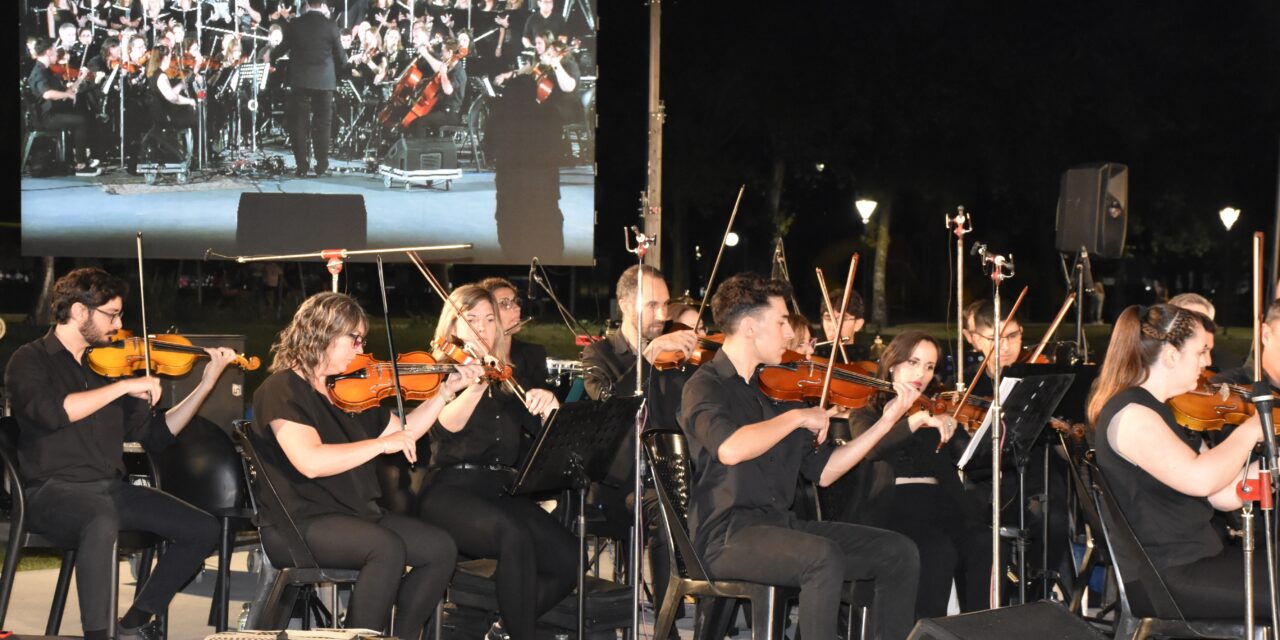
(1205, 577)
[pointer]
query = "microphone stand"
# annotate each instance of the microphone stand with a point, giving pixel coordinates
(1001, 269)
(566, 316)
(334, 257)
(640, 249)
(960, 225)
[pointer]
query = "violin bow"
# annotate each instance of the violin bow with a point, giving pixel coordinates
(844, 304)
(715, 267)
(142, 301)
(1053, 327)
(987, 356)
(1258, 308)
(826, 301)
(391, 348)
(781, 271)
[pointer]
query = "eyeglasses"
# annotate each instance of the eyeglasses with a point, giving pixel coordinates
(111, 317)
(1012, 335)
(507, 304)
(358, 341)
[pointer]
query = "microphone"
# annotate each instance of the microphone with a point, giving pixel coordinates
(978, 249)
(533, 274)
(1264, 401)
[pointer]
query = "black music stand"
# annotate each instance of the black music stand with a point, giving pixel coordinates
(576, 447)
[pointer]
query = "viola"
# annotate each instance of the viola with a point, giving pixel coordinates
(171, 355)
(368, 381)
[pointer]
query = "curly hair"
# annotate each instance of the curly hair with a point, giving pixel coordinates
(320, 320)
(89, 286)
(744, 294)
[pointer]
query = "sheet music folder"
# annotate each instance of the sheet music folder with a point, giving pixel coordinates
(580, 439)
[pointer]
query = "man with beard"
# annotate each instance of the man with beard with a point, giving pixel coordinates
(72, 425)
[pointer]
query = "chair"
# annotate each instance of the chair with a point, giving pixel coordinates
(203, 469)
(284, 580)
(1147, 608)
(1095, 554)
(19, 537)
(36, 130)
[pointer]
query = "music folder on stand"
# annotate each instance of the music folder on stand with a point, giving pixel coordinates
(576, 447)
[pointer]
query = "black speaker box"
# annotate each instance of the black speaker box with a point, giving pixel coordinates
(1093, 209)
(1040, 620)
(422, 154)
(226, 402)
(282, 223)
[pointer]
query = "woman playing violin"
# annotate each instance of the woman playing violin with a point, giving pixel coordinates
(802, 334)
(1164, 479)
(327, 457)
(921, 496)
(167, 87)
(474, 448)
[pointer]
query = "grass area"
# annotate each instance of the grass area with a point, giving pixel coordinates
(35, 559)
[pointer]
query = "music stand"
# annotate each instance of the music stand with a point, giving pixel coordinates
(575, 447)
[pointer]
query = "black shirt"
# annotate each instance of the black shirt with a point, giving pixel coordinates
(530, 363)
(609, 368)
(536, 25)
(724, 498)
(39, 377)
(286, 396)
(495, 433)
(42, 80)
(1172, 526)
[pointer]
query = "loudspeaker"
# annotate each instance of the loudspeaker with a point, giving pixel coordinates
(1040, 620)
(1093, 209)
(422, 154)
(283, 223)
(226, 401)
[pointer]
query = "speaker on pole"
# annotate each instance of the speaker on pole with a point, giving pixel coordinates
(1040, 620)
(1093, 209)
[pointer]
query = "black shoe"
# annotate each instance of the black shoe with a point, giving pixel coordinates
(148, 631)
(300, 172)
(322, 169)
(322, 173)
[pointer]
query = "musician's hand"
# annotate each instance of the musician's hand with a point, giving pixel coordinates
(143, 388)
(502, 21)
(685, 341)
(219, 358)
(400, 441)
(944, 423)
(907, 395)
(815, 420)
(540, 402)
(462, 377)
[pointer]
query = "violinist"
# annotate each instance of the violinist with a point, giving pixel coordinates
(1222, 361)
(1165, 481)
(910, 486)
(749, 454)
(560, 65)
(474, 449)
(395, 58)
(528, 359)
(368, 65)
(801, 334)
(854, 319)
(67, 44)
(166, 86)
(55, 101)
(327, 457)
(685, 315)
(316, 55)
(979, 327)
(72, 426)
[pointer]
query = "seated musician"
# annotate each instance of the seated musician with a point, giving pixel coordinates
(979, 323)
(1222, 360)
(326, 457)
(479, 440)
(107, 59)
(72, 425)
(545, 20)
(1165, 481)
(854, 319)
(395, 58)
(749, 454)
(452, 79)
(529, 359)
(171, 107)
(914, 489)
(685, 315)
(56, 104)
(801, 334)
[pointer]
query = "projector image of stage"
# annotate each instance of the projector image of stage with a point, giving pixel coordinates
(98, 217)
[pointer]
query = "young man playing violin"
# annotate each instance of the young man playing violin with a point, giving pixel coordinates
(72, 425)
(979, 332)
(749, 452)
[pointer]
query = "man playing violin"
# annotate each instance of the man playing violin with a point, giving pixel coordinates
(72, 424)
(979, 332)
(854, 319)
(56, 104)
(749, 454)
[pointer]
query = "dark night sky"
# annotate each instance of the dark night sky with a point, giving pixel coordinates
(928, 105)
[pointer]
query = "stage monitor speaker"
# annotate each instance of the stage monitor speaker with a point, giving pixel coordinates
(1040, 620)
(422, 154)
(284, 223)
(1093, 209)
(226, 401)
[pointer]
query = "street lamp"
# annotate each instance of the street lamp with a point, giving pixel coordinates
(865, 209)
(731, 240)
(1229, 215)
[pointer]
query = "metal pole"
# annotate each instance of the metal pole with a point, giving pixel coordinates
(963, 225)
(996, 422)
(652, 213)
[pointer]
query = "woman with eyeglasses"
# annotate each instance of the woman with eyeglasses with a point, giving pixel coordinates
(528, 359)
(325, 456)
(479, 440)
(1162, 477)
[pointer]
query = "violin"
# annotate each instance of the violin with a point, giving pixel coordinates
(171, 355)
(1211, 407)
(704, 351)
(454, 351)
(368, 381)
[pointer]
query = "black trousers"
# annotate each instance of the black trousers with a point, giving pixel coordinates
(77, 124)
(90, 515)
(1214, 587)
(537, 557)
(950, 548)
(311, 117)
(818, 557)
(381, 549)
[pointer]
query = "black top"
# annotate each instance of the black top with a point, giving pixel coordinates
(537, 24)
(716, 403)
(1172, 526)
(530, 363)
(315, 51)
(40, 81)
(493, 435)
(568, 104)
(39, 377)
(609, 368)
(286, 396)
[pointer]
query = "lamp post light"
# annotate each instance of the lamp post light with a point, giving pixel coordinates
(1229, 215)
(865, 209)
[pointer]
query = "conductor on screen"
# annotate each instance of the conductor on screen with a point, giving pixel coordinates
(315, 50)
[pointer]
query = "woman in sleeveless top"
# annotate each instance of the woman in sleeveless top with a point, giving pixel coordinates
(1165, 482)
